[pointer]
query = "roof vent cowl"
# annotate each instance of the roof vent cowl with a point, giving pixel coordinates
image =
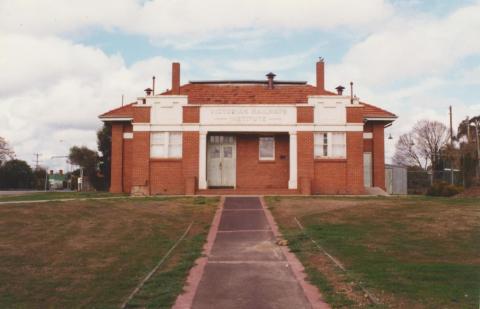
(270, 77)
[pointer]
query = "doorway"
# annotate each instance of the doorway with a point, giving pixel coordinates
(367, 169)
(221, 161)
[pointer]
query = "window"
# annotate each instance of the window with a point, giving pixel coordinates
(330, 145)
(166, 145)
(266, 148)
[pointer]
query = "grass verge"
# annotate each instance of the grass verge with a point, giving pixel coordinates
(37, 196)
(92, 254)
(410, 252)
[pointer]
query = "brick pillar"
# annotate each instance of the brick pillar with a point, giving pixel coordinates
(141, 163)
(378, 155)
(355, 163)
(190, 160)
(305, 161)
(116, 168)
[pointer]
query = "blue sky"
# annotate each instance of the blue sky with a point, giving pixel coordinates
(66, 62)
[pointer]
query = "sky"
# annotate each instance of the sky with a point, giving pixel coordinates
(64, 62)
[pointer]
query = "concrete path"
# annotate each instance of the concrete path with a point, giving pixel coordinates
(244, 267)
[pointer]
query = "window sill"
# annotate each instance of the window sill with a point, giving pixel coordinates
(266, 161)
(165, 159)
(330, 159)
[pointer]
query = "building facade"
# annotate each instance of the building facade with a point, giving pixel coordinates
(247, 136)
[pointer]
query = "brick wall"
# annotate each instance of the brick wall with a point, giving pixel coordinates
(330, 177)
(354, 114)
(141, 114)
(127, 165)
(367, 145)
(191, 114)
(253, 173)
(117, 158)
(140, 166)
(166, 176)
(190, 161)
(355, 163)
(378, 155)
(305, 159)
(305, 114)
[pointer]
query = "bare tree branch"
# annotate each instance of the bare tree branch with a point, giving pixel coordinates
(421, 144)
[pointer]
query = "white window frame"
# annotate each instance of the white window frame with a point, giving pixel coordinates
(319, 154)
(272, 158)
(165, 145)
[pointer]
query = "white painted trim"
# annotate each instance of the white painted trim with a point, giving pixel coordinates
(115, 118)
(367, 135)
(381, 118)
(127, 135)
(349, 127)
(202, 161)
(293, 181)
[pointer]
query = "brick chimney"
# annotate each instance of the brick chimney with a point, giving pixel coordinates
(175, 78)
(320, 75)
(60, 172)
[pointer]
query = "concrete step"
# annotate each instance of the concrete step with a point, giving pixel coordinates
(376, 191)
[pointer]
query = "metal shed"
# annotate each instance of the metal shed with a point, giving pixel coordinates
(395, 179)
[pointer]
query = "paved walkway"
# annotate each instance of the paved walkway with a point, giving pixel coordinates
(244, 267)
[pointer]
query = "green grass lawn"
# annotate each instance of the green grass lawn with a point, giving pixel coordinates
(36, 196)
(409, 252)
(92, 254)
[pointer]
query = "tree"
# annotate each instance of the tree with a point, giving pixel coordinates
(421, 146)
(39, 176)
(16, 174)
(469, 141)
(6, 153)
(104, 144)
(84, 157)
(88, 160)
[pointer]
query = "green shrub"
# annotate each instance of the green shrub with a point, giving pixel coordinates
(444, 189)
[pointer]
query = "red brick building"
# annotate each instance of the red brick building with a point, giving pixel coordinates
(249, 136)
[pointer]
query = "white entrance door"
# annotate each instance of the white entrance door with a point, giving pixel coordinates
(221, 161)
(367, 169)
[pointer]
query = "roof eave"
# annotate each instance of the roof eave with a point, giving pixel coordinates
(112, 119)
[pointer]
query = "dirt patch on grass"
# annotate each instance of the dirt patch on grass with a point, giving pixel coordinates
(473, 191)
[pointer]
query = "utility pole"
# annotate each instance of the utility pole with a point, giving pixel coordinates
(477, 123)
(451, 127)
(37, 161)
(451, 146)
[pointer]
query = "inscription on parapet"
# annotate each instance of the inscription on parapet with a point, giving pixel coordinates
(248, 115)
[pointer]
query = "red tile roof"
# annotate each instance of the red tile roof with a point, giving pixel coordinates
(125, 111)
(371, 111)
(247, 94)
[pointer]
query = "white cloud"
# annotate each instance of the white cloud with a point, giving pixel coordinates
(187, 21)
(52, 89)
(413, 47)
